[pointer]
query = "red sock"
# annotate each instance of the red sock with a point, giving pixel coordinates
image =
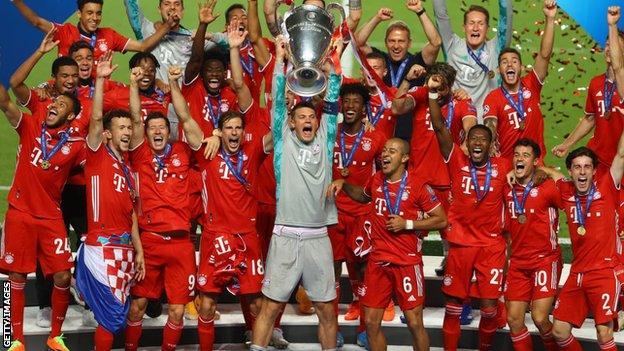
(171, 335)
(18, 301)
(249, 319)
(502, 313)
(133, 334)
(337, 299)
(60, 303)
(549, 341)
(103, 339)
(570, 344)
(487, 327)
(450, 327)
(608, 346)
(278, 320)
(206, 332)
(522, 341)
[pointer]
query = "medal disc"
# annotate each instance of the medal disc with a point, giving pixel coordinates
(581, 231)
(344, 172)
(491, 74)
(522, 218)
(607, 114)
(45, 164)
(522, 125)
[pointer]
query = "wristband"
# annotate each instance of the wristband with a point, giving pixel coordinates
(419, 13)
(434, 96)
(409, 224)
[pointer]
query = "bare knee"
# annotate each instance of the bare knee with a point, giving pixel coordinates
(176, 313)
(137, 309)
(561, 330)
(541, 321)
(207, 307)
(62, 279)
(604, 333)
(515, 321)
(325, 312)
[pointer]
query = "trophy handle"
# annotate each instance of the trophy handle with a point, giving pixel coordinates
(279, 23)
(335, 6)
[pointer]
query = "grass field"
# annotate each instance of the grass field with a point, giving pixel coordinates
(576, 59)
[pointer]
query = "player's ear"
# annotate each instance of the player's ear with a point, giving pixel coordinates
(291, 122)
(107, 134)
(405, 158)
(71, 116)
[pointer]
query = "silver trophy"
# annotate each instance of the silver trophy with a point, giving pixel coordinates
(309, 31)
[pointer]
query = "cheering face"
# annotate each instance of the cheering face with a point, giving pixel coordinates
(475, 29)
(157, 134)
(305, 124)
(392, 156)
(240, 16)
(397, 43)
(90, 16)
(149, 74)
(60, 111)
(66, 79)
(232, 135)
(524, 162)
(84, 58)
(119, 134)
(169, 8)
(510, 68)
(214, 75)
(478, 144)
(379, 66)
(353, 108)
(582, 172)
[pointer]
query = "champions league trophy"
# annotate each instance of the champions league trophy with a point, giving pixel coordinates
(309, 31)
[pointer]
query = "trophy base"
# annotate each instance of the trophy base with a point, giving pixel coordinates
(306, 81)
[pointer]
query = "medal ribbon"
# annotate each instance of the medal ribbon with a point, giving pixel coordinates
(475, 180)
(520, 105)
(45, 154)
(395, 77)
(214, 118)
(581, 218)
(609, 90)
(247, 65)
(238, 170)
(347, 159)
(450, 113)
(476, 58)
(160, 160)
(519, 205)
(396, 208)
(125, 169)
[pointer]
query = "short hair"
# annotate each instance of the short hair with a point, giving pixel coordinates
(156, 115)
(581, 151)
(375, 55)
(529, 143)
(79, 45)
(355, 89)
(114, 113)
(399, 25)
(215, 54)
(230, 9)
(77, 106)
(160, 2)
(481, 127)
(323, 1)
(81, 3)
(477, 8)
(508, 50)
(62, 62)
(443, 69)
(405, 146)
(136, 59)
(302, 104)
(231, 114)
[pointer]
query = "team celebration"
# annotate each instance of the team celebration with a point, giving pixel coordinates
(243, 158)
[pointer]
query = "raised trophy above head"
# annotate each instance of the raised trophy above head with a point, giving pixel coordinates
(309, 31)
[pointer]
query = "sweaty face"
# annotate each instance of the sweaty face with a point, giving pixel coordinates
(119, 134)
(305, 124)
(478, 144)
(582, 172)
(169, 7)
(59, 111)
(84, 58)
(239, 15)
(397, 43)
(149, 74)
(66, 79)
(214, 75)
(524, 162)
(475, 29)
(379, 66)
(392, 156)
(90, 16)
(510, 68)
(353, 108)
(157, 134)
(232, 135)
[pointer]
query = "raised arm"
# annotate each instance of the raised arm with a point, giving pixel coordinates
(149, 43)
(261, 52)
(402, 105)
(362, 34)
(505, 23)
(355, 14)
(135, 17)
(235, 40)
(269, 17)
(445, 140)
(278, 93)
(10, 109)
(584, 126)
(616, 51)
(192, 131)
(104, 69)
(206, 16)
(444, 21)
(32, 17)
(138, 132)
(18, 79)
(546, 47)
(432, 48)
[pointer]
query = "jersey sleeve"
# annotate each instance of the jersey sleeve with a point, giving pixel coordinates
(25, 124)
(138, 154)
(532, 81)
(589, 103)
(63, 31)
(427, 199)
(490, 106)
(368, 187)
(466, 109)
(118, 41)
(420, 95)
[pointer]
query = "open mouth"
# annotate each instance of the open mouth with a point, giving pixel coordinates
(85, 69)
(146, 81)
(214, 84)
(233, 142)
(520, 166)
(125, 140)
(52, 113)
(510, 74)
(582, 181)
(350, 114)
(385, 162)
(477, 152)
(475, 35)
(307, 131)
(158, 140)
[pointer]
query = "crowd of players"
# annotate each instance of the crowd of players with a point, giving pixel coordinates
(286, 189)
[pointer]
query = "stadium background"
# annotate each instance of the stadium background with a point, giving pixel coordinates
(580, 35)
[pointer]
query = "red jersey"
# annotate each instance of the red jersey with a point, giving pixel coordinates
(163, 189)
(425, 156)
(35, 190)
(156, 101)
(361, 168)
(109, 201)
(102, 40)
(384, 120)
(201, 103)
(598, 247)
(231, 206)
(405, 247)
(253, 74)
(608, 128)
(472, 222)
(535, 239)
(509, 124)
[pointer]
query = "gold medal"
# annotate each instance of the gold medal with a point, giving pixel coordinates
(491, 74)
(581, 231)
(607, 114)
(522, 125)
(522, 218)
(344, 172)
(45, 165)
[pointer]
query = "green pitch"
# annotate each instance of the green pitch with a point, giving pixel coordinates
(576, 59)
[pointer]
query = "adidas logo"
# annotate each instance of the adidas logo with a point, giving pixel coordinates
(544, 289)
(411, 298)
